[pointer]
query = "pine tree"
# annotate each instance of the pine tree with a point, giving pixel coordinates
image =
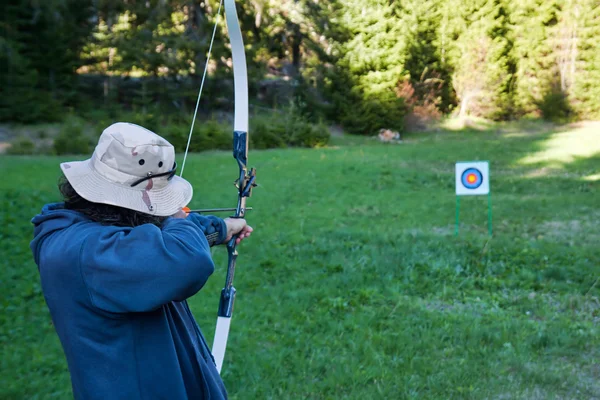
(537, 71)
(424, 24)
(481, 57)
(41, 54)
(370, 66)
(585, 90)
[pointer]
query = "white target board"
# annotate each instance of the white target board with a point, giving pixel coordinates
(472, 178)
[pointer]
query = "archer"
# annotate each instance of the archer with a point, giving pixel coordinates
(118, 260)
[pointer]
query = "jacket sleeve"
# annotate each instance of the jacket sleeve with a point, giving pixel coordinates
(143, 268)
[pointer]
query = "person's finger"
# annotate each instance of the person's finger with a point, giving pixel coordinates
(242, 237)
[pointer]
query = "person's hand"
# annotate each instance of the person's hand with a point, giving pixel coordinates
(235, 226)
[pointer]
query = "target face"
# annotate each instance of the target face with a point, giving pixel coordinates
(472, 178)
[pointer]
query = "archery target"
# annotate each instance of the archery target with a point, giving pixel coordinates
(472, 178)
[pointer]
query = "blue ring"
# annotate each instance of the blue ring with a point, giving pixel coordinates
(477, 182)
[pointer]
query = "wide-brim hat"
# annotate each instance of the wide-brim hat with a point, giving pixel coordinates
(133, 168)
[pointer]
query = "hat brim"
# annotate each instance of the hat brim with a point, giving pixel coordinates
(92, 186)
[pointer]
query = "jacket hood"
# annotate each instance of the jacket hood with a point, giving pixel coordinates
(54, 217)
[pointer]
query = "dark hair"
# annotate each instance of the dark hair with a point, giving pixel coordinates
(105, 214)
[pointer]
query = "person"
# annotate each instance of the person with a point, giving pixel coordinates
(117, 261)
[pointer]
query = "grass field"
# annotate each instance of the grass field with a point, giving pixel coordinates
(354, 285)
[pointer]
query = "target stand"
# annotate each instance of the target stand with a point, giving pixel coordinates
(473, 179)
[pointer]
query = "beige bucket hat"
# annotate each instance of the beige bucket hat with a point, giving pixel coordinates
(132, 168)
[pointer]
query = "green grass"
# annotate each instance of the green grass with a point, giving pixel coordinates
(354, 285)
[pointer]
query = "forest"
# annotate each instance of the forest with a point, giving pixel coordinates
(364, 65)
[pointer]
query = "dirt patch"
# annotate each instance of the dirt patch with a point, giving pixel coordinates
(336, 130)
(580, 230)
(42, 135)
(586, 124)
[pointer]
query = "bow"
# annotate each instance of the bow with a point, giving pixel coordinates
(246, 178)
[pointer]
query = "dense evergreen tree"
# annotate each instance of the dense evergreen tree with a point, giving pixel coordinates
(537, 70)
(40, 53)
(585, 91)
(370, 66)
(481, 56)
(425, 24)
(362, 63)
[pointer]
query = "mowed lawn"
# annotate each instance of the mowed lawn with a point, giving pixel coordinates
(354, 285)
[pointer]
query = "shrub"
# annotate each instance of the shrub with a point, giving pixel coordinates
(208, 135)
(177, 135)
(268, 132)
(283, 130)
(214, 135)
(423, 99)
(366, 114)
(555, 106)
(304, 134)
(22, 146)
(72, 139)
(100, 119)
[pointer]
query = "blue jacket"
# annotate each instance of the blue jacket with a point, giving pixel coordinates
(117, 297)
